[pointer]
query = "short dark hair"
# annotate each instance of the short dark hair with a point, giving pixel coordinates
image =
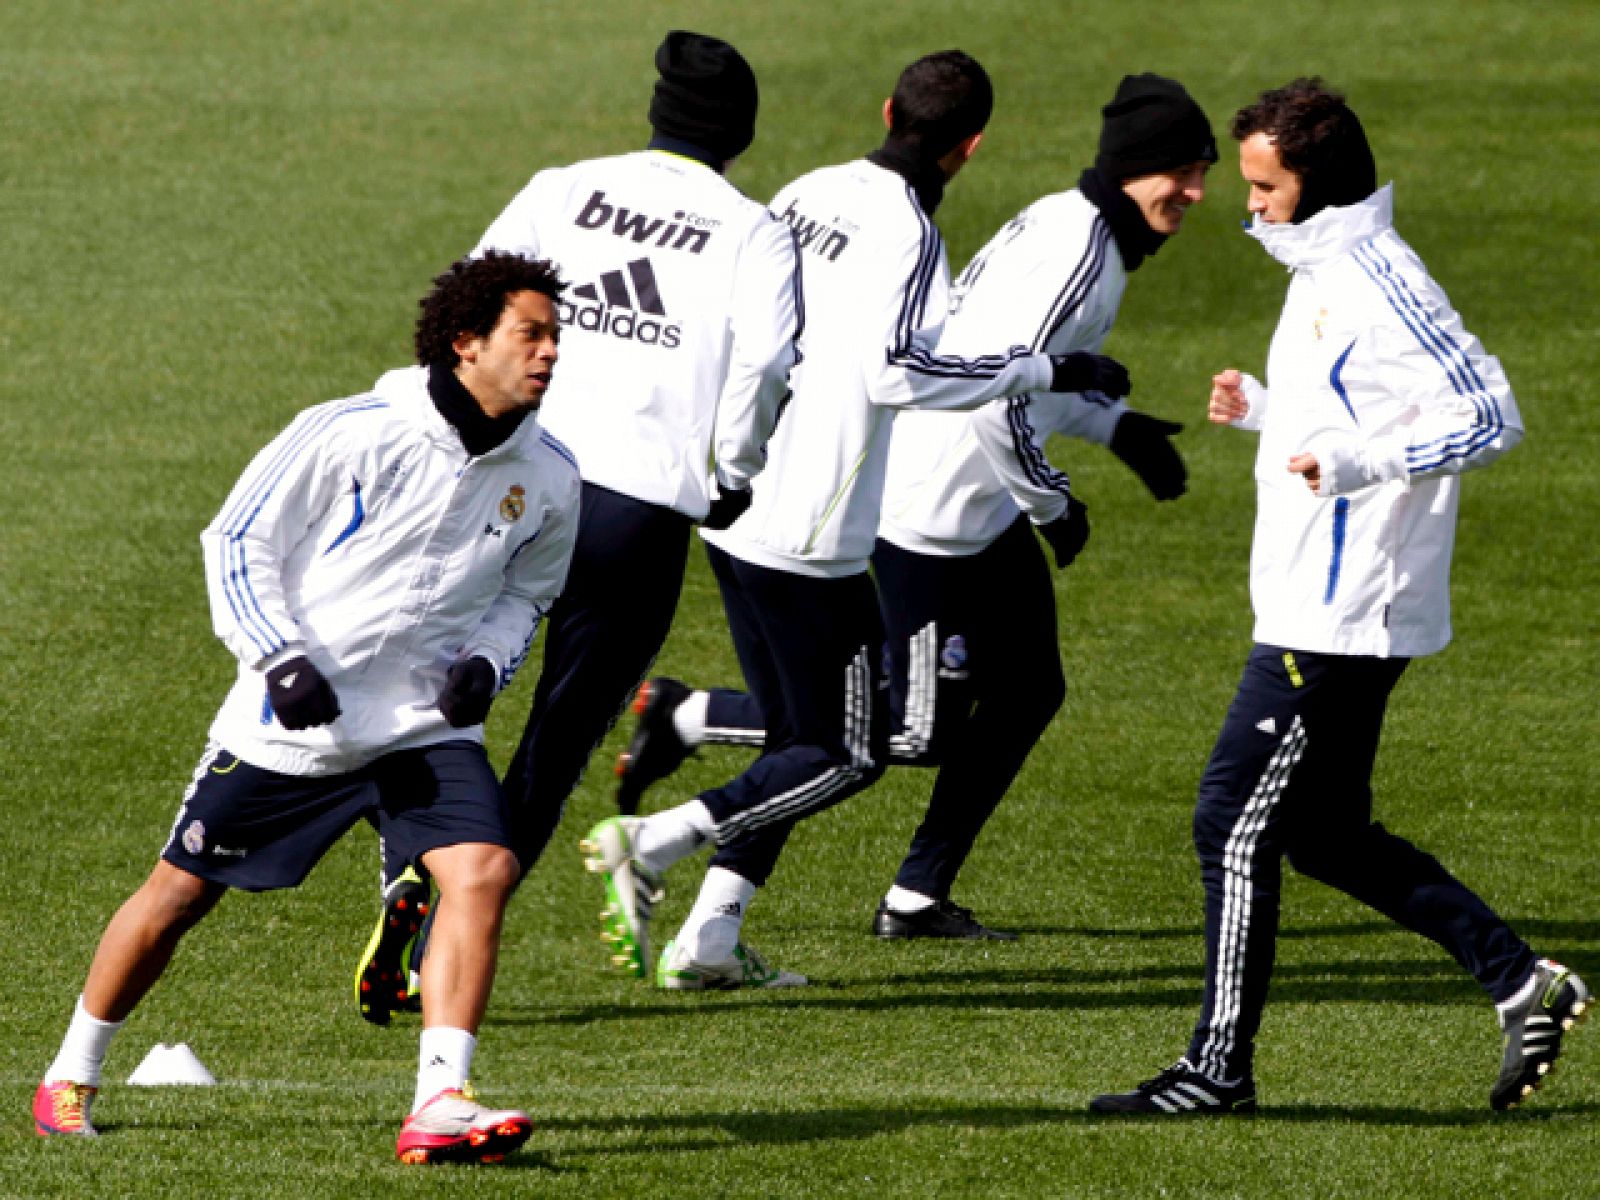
(1299, 117)
(470, 296)
(941, 99)
(1318, 137)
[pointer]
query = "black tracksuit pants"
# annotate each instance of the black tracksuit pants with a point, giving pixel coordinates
(1291, 775)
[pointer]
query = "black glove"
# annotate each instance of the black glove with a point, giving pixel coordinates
(299, 695)
(1142, 442)
(727, 507)
(1080, 372)
(468, 692)
(1067, 533)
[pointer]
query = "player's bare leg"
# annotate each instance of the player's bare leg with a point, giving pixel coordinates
(447, 1124)
(475, 883)
(139, 941)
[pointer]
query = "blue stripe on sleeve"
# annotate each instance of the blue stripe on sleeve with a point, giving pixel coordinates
(556, 444)
(1451, 358)
(905, 352)
(242, 600)
(1085, 274)
(1034, 464)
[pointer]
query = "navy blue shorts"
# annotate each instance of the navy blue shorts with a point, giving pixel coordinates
(257, 830)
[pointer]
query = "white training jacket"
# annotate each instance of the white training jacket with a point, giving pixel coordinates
(677, 327)
(366, 538)
(877, 289)
(1371, 371)
(956, 481)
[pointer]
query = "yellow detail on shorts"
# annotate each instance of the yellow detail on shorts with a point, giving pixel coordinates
(1294, 671)
(216, 770)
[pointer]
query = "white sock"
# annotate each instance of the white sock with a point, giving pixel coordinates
(83, 1049)
(711, 930)
(1511, 1003)
(904, 901)
(444, 1061)
(689, 718)
(662, 838)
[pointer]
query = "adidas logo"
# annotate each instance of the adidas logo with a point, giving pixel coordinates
(624, 304)
(731, 909)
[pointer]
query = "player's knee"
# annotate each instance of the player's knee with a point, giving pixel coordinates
(1212, 826)
(176, 899)
(478, 872)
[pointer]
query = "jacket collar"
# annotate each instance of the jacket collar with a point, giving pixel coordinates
(1333, 232)
(407, 390)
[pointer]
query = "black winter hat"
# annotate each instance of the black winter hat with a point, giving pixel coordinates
(1152, 125)
(706, 94)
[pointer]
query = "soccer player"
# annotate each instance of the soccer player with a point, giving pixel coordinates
(966, 596)
(678, 334)
(379, 572)
(1377, 399)
(793, 568)
(965, 591)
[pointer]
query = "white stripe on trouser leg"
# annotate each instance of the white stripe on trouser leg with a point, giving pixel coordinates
(733, 735)
(1238, 870)
(810, 795)
(922, 686)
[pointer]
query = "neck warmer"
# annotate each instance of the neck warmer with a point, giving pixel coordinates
(683, 149)
(479, 432)
(910, 160)
(1136, 241)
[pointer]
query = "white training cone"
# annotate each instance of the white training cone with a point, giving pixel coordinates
(167, 1065)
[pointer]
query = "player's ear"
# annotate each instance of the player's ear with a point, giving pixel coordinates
(466, 345)
(888, 113)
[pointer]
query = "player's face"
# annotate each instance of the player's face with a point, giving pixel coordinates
(1165, 197)
(512, 367)
(1274, 189)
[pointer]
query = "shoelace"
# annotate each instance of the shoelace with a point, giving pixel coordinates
(1162, 1082)
(67, 1105)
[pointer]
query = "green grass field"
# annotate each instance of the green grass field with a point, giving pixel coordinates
(217, 214)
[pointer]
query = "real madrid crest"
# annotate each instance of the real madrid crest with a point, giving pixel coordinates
(1316, 326)
(953, 657)
(515, 503)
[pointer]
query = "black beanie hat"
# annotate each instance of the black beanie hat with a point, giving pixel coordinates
(1152, 125)
(706, 94)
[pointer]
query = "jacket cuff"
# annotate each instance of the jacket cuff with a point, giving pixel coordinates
(1255, 395)
(292, 650)
(1349, 466)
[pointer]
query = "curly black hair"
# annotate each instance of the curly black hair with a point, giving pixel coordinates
(1318, 137)
(471, 295)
